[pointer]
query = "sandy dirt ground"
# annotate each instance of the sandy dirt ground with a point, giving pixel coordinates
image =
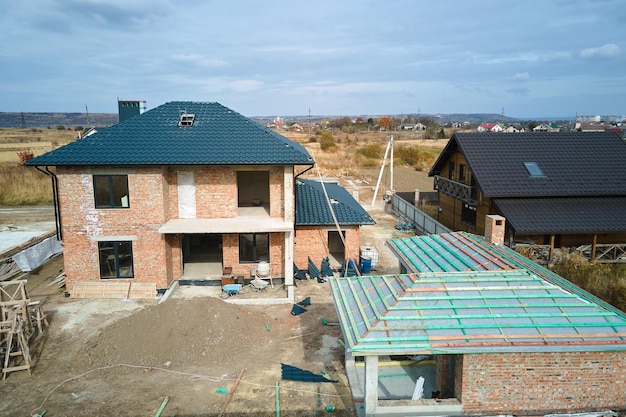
(124, 357)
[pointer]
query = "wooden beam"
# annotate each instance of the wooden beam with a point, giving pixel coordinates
(232, 391)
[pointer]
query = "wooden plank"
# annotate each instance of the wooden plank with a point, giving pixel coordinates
(232, 391)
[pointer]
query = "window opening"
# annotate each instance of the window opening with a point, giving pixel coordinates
(254, 247)
(116, 259)
(468, 215)
(111, 191)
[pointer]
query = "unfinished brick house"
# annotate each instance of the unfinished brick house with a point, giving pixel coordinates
(187, 189)
(563, 189)
(474, 328)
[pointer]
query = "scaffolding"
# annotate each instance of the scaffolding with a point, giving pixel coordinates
(20, 319)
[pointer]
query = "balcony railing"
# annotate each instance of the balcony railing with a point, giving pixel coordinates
(456, 189)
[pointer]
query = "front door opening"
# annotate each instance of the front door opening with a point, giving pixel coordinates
(202, 256)
(336, 249)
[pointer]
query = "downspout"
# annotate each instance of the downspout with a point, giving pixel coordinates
(55, 200)
(295, 194)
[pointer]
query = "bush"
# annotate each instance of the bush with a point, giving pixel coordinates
(24, 156)
(372, 151)
(60, 127)
(312, 139)
(327, 142)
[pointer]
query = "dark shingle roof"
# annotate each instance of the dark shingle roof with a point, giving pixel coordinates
(564, 215)
(218, 136)
(312, 208)
(573, 163)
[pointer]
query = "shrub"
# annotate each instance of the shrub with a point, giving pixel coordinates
(327, 142)
(24, 156)
(60, 127)
(372, 151)
(312, 139)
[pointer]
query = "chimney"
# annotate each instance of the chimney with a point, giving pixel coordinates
(494, 229)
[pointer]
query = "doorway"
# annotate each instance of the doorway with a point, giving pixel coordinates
(336, 249)
(202, 256)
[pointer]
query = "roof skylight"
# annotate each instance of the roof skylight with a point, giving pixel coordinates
(534, 170)
(186, 119)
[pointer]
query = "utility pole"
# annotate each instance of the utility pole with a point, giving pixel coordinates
(382, 169)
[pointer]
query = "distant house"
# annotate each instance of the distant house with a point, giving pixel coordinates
(562, 189)
(547, 127)
(514, 129)
(188, 190)
(489, 127)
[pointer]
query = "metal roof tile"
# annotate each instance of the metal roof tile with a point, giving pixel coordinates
(218, 136)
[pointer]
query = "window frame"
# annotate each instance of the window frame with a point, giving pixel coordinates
(118, 257)
(256, 257)
(110, 191)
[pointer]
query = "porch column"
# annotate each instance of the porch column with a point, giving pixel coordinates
(370, 392)
(289, 264)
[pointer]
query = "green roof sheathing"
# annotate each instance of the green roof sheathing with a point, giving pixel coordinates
(468, 296)
(312, 208)
(218, 136)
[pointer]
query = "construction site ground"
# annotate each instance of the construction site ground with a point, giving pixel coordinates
(206, 356)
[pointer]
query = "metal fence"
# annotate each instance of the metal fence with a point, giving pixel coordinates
(414, 215)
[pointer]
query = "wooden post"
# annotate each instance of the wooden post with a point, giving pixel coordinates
(593, 247)
(551, 248)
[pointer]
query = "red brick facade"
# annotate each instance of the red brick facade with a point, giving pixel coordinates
(153, 201)
(313, 241)
(543, 383)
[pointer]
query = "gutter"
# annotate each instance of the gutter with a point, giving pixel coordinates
(55, 199)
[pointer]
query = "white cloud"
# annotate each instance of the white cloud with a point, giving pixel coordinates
(605, 51)
(521, 76)
(199, 60)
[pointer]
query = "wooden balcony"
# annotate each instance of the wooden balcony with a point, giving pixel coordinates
(456, 189)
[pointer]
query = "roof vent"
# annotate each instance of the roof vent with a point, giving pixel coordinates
(186, 119)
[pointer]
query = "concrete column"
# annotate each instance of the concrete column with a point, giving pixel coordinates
(289, 264)
(371, 385)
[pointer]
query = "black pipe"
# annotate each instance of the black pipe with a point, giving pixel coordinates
(55, 200)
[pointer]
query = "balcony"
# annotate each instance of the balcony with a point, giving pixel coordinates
(456, 189)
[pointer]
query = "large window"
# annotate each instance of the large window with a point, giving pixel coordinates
(116, 260)
(254, 247)
(111, 191)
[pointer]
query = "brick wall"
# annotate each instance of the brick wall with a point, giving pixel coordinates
(543, 383)
(153, 201)
(313, 241)
(83, 226)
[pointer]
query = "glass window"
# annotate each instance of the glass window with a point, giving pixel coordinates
(116, 260)
(254, 247)
(534, 170)
(111, 191)
(462, 173)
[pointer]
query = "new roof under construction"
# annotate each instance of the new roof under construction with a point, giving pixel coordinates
(467, 296)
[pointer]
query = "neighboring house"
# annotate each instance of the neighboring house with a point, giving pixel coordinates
(547, 127)
(185, 190)
(563, 188)
(489, 331)
(318, 232)
(489, 127)
(514, 129)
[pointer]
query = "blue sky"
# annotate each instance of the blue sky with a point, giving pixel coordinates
(530, 58)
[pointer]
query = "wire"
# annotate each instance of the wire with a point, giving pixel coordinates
(192, 377)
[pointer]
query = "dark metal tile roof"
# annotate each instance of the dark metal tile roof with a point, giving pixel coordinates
(312, 207)
(218, 136)
(564, 215)
(573, 163)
